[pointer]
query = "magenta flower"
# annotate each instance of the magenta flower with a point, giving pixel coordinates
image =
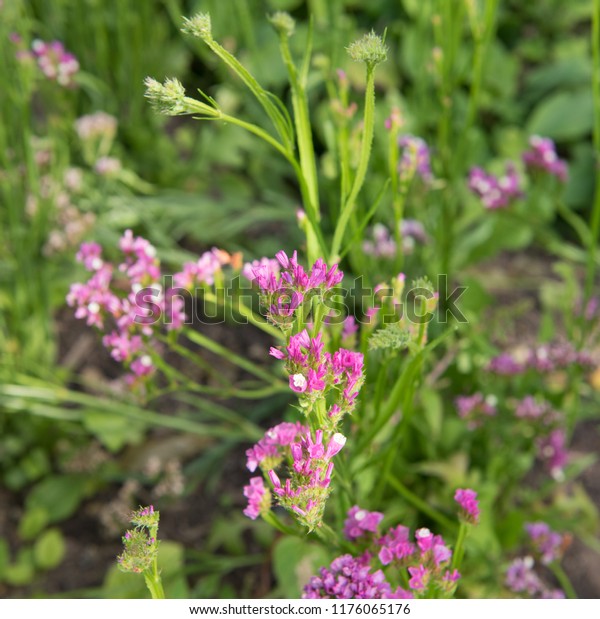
(419, 577)
(90, 255)
(521, 578)
(360, 521)
(475, 408)
(542, 157)
(306, 490)
(530, 408)
(552, 450)
(415, 154)
(432, 547)
(284, 286)
(351, 577)
(395, 545)
(548, 544)
(55, 62)
(469, 505)
(259, 498)
(495, 193)
(505, 364)
(268, 451)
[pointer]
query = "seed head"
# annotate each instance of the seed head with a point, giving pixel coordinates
(167, 98)
(198, 26)
(283, 22)
(369, 49)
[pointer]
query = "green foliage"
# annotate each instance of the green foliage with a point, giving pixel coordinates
(392, 336)
(305, 557)
(474, 80)
(49, 549)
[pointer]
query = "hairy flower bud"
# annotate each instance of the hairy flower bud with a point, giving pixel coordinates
(369, 49)
(283, 22)
(167, 98)
(199, 26)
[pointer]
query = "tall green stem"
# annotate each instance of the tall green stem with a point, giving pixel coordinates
(595, 218)
(363, 163)
(564, 580)
(459, 548)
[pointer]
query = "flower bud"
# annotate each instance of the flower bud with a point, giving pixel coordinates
(283, 22)
(199, 26)
(369, 49)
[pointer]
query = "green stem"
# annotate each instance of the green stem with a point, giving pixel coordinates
(152, 576)
(421, 505)
(303, 127)
(327, 534)
(274, 521)
(243, 310)
(564, 580)
(154, 583)
(595, 217)
(363, 163)
(459, 548)
(241, 362)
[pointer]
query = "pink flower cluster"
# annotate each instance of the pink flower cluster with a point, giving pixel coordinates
(327, 385)
(383, 245)
(134, 315)
(548, 545)
(349, 578)
(267, 266)
(55, 62)
(95, 126)
(415, 155)
(521, 578)
(542, 157)
(128, 301)
(284, 290)
(545, 358)
(427, 560)
(495, 192)
(313, 372)
(204, 270)
(552, 450)
(306, 491)
(268, 452)
(360, 522)
(259, 498)
(475, 408)
(469, 505)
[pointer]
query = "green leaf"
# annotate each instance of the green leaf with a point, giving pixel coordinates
(33, 522)
(50, 549)
(58, 495)
(391, 336)
(22, 572)
(4, 556)
(566, 73)
(294, 562)
(564, 116)
(432, 411)
(113, 431)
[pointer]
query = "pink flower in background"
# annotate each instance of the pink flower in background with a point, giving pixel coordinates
(415, 154)
(55, 62)
(542, 157)
(495, 192)
(360, 522)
